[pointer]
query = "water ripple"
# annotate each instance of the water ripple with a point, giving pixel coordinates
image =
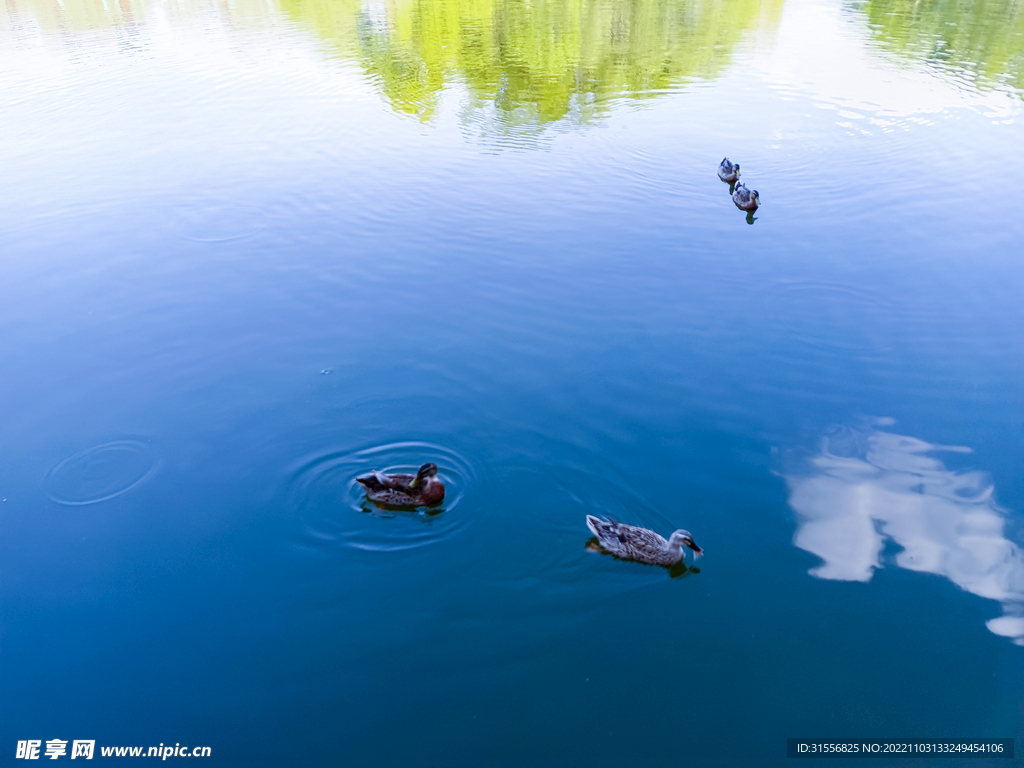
(216, 223)
(830, 316)
(334, 511)
(101, 472)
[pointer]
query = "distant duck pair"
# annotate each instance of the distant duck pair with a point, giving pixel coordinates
(744, 198)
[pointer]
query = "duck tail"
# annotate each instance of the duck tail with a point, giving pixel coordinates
(594, 524)
(370, 481)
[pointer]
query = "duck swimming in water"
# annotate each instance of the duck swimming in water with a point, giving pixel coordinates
(728, 171)
(745, 199)
(424, 489)
(641, 545)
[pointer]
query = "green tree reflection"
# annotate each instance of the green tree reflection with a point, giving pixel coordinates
(983, 38)
(528, 63)
(76, 16)
(80, 15)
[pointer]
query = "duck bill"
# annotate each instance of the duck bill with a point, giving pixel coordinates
(415, 482)
(697, 551)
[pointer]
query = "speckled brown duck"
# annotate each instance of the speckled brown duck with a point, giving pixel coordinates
(424, 489)
(641, 545)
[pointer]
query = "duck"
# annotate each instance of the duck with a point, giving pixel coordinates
(640, 544)
(745, 199)
(424, 489)
(728, 171)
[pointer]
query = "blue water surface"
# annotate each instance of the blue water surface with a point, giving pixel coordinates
(246, 256)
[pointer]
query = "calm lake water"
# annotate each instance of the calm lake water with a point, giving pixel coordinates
(252, 249)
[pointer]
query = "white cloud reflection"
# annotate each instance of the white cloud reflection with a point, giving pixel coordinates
(864, 488)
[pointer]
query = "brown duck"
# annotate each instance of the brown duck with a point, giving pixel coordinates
(424, 489)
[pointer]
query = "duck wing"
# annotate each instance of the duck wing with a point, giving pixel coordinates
(627, 541)
(642, 544)
(378, 481)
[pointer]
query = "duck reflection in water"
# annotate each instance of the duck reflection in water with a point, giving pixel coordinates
(640, 545)
(424, 489)
(866, 487)
(388, 511)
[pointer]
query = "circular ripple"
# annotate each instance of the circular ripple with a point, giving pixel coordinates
(335, 511)
(101, 472)
(214, 223)
(832, 316)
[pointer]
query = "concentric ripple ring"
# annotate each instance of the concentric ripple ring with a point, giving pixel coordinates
(101, 472)
(333, 510)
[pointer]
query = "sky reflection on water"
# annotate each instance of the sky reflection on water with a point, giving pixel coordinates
(864, 490)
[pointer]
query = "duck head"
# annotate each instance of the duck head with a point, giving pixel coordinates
(755, 198)
(425, 472)
(681, 537)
